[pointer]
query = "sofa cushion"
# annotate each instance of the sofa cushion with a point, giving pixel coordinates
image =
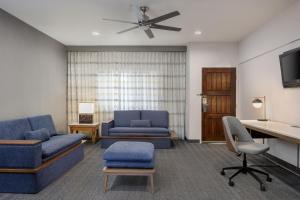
(40, 134)
(130, 131)
(158, 118)
(14, 129)
(43, 121)
(59, 143)
(130, 152)
(122, 118)
(140, 123)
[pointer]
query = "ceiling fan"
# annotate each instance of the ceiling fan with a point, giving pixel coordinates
(146, 23)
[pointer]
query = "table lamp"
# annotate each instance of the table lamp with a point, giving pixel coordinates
(86, 112)
(257, 103)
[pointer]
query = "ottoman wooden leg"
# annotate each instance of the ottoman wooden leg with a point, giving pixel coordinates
(151, 183)
(105, 183)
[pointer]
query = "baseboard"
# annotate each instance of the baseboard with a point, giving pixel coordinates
(283, 163)
(191, 141)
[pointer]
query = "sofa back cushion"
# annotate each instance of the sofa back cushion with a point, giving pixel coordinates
(122, 118)
(158, 118)
(43, 121)
(40, 134)
(14, 129)
(140, 123)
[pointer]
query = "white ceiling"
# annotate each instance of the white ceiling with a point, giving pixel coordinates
(72, 21)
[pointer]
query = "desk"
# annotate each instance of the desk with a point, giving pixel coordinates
(275, 130)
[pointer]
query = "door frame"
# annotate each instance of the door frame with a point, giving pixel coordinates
(202, 93)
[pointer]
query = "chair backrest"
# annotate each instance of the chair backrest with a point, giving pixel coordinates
(233, 128)
(14, 129)
(43, 121)
(158, 118)
(122, 118)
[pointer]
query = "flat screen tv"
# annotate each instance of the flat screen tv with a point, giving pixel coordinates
(290, 68)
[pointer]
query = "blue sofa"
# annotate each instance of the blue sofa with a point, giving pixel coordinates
(138, 125)
(27, 165)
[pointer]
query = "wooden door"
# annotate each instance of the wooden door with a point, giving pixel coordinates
(218, 100)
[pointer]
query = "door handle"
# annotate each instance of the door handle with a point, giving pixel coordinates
(204, 101)
(204, 104)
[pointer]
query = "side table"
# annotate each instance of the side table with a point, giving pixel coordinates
(92, 129)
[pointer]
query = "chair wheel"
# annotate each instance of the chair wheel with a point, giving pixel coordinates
(222, 173)
(269, 179)
(231, 183)
(262, 188)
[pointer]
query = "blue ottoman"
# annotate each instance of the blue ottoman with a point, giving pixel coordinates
(130, 159)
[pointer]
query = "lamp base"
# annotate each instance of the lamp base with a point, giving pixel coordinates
(263, 120)
(85, 118)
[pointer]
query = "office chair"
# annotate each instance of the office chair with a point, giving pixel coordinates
(242, 145)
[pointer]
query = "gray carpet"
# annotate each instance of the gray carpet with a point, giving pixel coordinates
(188, 171)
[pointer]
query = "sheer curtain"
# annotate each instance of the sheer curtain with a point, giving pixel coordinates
(128, 81)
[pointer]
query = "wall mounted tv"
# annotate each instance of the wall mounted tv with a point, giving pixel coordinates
(290, 68)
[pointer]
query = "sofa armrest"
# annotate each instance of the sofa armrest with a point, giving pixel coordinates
(20, 153)
(173, 135)
(106, 126)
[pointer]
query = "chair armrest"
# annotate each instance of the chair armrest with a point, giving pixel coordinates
(106, 126)
(20, 153)
(19, 142)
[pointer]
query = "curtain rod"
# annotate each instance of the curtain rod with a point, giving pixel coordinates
(128, 48)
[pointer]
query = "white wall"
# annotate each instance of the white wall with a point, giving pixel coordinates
(33, 72)
(261, 75)
(203, 54)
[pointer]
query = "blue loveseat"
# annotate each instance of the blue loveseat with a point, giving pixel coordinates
(138, 125)
(33, 154)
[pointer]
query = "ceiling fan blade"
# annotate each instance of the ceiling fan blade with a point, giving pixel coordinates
(149, 33)
(129, 29)
(163, 17)
(121, 21)
(162, 27)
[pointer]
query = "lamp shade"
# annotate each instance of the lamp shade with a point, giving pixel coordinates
(86, 108)
(257, 103)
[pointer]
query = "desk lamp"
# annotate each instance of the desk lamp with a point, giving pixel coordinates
(257, 103)
(85, 112)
